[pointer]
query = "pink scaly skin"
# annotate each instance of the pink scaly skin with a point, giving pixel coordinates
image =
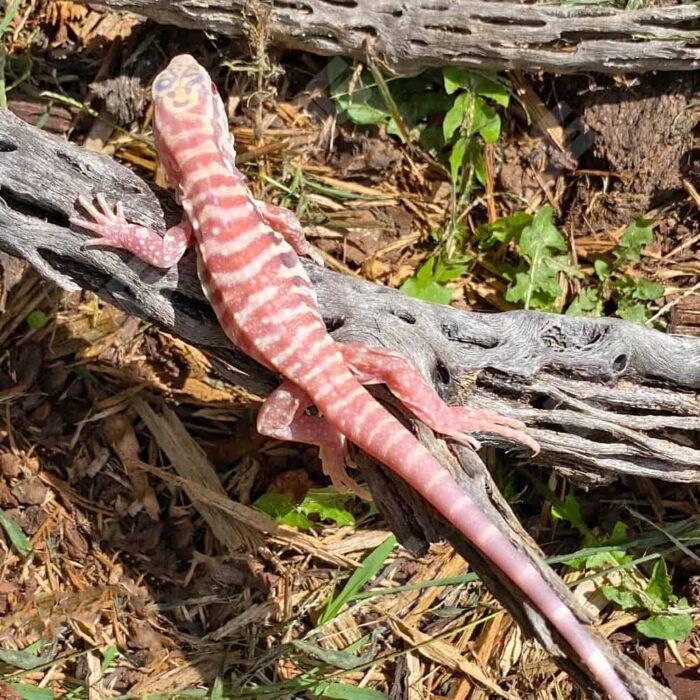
(247, 254)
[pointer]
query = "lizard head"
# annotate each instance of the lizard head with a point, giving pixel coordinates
(184, 86)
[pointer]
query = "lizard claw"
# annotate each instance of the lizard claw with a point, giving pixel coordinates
(486, 421)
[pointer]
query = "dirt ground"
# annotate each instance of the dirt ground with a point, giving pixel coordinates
(112, 583)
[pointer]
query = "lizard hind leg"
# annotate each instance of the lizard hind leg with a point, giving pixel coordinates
(283, 417)
(372, 365)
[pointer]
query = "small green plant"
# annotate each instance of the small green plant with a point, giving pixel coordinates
(327, 503)
(541, 247)
(428, 282)
(363, 100)
(448, 114)
(535, 280)
(666, 619)
(471, 114)
(629, 294)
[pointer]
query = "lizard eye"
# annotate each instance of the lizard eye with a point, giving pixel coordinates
(164, 82)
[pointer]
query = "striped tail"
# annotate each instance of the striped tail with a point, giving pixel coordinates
(371, 427)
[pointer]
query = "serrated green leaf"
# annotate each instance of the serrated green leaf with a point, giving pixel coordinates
(676, 627)
(636, 313)
(562, 263)
(639, 233)
(431, 291)
(274, 504)
(424, 284)
(370, 566)
(446, 272)
(586, 303)
(538, 287)
(542, 236)
(578, 563)
(327, 504)
(646, 289)
(507, 228)
(455, 115)
(532, 292)
(659, 587)
(295, 519)
(625, 598)
(613, 557)
(19, 540)
(282, 509)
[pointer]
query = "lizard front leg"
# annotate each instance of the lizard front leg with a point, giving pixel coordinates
(115, 231)
(283, 417)
(372, 365)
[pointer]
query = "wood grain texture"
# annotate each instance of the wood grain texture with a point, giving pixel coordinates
(411, 36)
(602, 396)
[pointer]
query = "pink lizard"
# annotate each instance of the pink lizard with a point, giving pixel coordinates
(247, 260)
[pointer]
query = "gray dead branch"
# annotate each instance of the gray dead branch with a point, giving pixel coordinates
(603, 397)
(411, 36)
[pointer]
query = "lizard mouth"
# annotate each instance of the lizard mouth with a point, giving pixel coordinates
(180, 104)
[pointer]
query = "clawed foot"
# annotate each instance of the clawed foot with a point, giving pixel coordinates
(486, 421)
(110, 225)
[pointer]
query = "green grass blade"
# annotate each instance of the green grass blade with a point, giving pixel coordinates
(369, 568)
(19, 540)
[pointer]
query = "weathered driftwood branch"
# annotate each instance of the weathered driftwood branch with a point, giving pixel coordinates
(411, 36)
(554, 362)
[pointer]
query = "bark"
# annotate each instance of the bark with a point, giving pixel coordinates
(603, 397)
(411, 36)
